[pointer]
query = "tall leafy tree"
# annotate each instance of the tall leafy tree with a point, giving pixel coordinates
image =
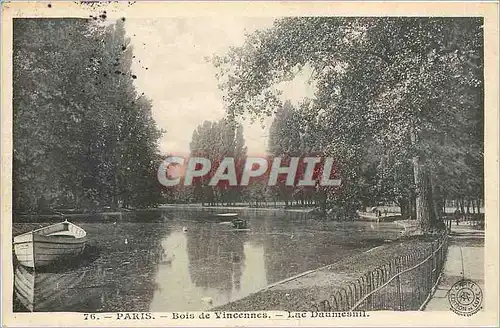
(82, 136)
(216, 141)
(408, 88)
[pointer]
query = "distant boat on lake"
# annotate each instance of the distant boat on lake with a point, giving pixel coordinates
(232, 219)
(44, 246)
(227, 216)
(373, 217)
(239, 223)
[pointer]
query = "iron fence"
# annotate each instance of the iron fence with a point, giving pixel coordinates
(405, 283)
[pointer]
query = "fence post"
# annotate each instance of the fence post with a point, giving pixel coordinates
(426, 272)
(398, 282)
(441, 256)
(433, 275)
(370, 289)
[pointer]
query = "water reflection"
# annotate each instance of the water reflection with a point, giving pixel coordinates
(42, 292)
(118, 276)
(215, 256)
(206, 267)
(159, 266)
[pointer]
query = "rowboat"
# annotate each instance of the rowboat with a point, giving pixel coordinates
(49, 244)
(367, 216)
(43, 292)
(239, 224)
(226, 217)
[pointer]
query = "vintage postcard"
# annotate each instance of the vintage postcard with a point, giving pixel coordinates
(249, 164)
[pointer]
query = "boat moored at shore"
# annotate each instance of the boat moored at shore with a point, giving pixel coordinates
(44, 246)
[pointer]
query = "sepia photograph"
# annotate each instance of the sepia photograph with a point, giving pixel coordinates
(332, 165)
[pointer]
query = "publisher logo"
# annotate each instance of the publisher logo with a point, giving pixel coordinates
(465, 297)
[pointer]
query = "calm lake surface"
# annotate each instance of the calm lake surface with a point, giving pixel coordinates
(176, 260)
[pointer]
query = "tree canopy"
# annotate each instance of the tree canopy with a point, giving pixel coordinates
(83, 137)
(216, 141)
(401, 97)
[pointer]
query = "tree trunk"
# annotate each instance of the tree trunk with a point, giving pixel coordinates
(412, 208)
(436, 221)
(421, 201)
(322, 204)
(405, 208)
(425, 212)
(115, 191)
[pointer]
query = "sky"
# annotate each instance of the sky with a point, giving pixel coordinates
(171, 68)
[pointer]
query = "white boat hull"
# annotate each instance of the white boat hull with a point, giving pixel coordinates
(45, 246)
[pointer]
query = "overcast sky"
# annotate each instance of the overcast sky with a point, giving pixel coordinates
(171, 70)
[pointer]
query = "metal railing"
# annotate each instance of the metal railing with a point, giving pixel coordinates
(405, 283)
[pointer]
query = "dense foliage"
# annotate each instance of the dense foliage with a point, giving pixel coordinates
(399, 103)
(216, 141)
(83, 137)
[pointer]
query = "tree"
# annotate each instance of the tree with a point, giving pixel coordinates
(409, 87)
(82, 136)
(293, 133)
(216, 141)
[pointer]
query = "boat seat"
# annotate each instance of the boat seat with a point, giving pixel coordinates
(66, 234)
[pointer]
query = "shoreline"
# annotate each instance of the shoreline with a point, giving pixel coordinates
(162, 207)
(199, 206)
(393, 217)
(310, 289)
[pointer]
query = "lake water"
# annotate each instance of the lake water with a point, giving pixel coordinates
(173, 261)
